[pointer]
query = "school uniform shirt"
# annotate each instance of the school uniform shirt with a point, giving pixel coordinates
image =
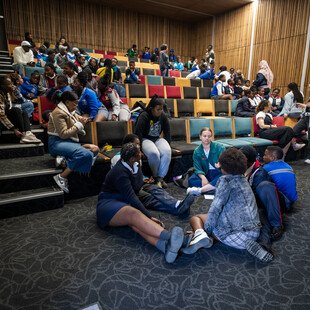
(218, 89)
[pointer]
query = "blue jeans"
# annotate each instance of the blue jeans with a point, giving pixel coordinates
(158, 154)
(212, 176)
(19, 68)
(78, 158)
(28, 107)
(155, 198)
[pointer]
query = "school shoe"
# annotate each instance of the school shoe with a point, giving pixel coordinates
(258, 251)
(160, 182)
(185, 204)
(307, 161)
(199, 240)
(174, 244)
(29, 137)
(298, 146)
(60, 161)
(195, 191)
(61, 182)
(276, 233)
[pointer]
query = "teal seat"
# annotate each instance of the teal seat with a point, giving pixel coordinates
(30, 70)
(235, 142)
(153, 80)
(195, 125)
(243, 126)
(222, 127)
(233, 106)
(257, 141)
(87, 50)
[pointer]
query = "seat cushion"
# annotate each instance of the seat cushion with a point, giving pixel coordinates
(183, 147)
(257, 141)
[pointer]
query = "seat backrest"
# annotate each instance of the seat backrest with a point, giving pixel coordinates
(111, 53)
(255, 126)
(204, 92)
(222, 127)
(182, 82)
(170, 81)
(195, 82)
(195, 125)
(184, 74)
(157, 72)
(142, 79)
(136, 90)
(204, 106)
(221, 106)
(207, 83)
(111, 132)
(159, 90)
(144, 60)
(170, 106)
(154, 80)
(88, 138)
(148, 71)
(278, 120)
(122, 63)
(233, 105)
(175, 73)
(177, 129)
(190, 92)
(243, 126)
(29, 70)
(173, 92)
(185, 107)
(123, 69)
(44, 104)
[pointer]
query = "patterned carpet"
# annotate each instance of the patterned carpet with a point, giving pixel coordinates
(60, 259)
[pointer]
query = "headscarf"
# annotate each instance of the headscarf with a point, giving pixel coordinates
(266, 72)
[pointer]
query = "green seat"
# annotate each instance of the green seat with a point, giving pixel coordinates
(30, 70)
(153, 80)
(233, 106)
(195, 125)
(235, 142)
(222, 126)
(243, 126)
(257, 141)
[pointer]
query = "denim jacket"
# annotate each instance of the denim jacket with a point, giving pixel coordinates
(233, 209)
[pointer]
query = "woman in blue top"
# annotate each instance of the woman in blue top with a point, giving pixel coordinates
(205, 157)
(89, 104)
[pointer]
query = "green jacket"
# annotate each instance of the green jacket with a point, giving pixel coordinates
(201, 162)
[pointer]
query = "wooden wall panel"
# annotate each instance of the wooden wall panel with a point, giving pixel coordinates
(280, 38)
(93, 25)
(202, 36)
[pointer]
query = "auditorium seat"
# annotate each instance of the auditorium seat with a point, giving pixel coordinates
(44, 104)
(195, 82)
(207, 83)
(122, 63)
(184, 74)
(159, 90)
(190, 92)
(148, 71)
(232, 105)
(204, 92)
(182, 82)
(204, 106)
(195, 125)
(185, 107)
(154, 80)
(171, 105)
(144, 60)
(175, 73)
(136, 91)
(173, 92)
(169, 81)
(221, 107)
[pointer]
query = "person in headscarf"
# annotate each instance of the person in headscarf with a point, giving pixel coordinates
(264, 77)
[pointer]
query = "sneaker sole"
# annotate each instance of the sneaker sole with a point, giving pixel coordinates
(174, 245)
(203, 243)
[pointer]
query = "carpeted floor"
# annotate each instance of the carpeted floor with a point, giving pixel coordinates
(60, 259)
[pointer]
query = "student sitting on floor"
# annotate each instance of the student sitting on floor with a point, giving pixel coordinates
(151, 195)
(29, 87)
(118, 205)
(281, 174)
(233, 217)
(205, 160)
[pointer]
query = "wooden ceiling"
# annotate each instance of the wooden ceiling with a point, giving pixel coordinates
(182, 10)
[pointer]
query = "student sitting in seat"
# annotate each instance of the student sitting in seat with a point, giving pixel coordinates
(150, 194)
(71, 71)
(178, 65)
(63, 129)
(118, 111)
(233, 216)
(117, 75)
(205, 160)
(118, 205)
(146, 54)
(17, 98)
(218, 90)
(23, 56)
(259, 95)
(47, 79)
(238, 90)
(149, 126)
(30, 87)
(246, 105)
(62, 85)
(277, 102)
(132, 74)
(89, 104)
(13, 118)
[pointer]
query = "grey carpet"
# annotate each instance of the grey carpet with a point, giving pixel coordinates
(60, 259)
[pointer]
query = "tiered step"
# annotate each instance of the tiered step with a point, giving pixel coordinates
(5, 63)
(14, 150)
(27, 186)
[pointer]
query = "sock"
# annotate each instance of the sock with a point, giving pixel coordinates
(165, 235)
(258, 251)
(161, 245)
(178, 203)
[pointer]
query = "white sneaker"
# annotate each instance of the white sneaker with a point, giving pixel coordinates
(29, 137)
(297, 146)
(307, 161)
(59, 161)
(195, 191)
(61, 182)
(199, 240)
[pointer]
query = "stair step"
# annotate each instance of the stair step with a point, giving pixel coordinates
(30, 201)
(6, 71)
(5, 58)
(8, 136)
(14, 150)
(4, 53)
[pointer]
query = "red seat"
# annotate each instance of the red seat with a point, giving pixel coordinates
(175, 73)
(124, 100)
(108, 56)
(173, 92)
(17, 42)
(159, 90)
(111, 53)
(157, 72)
(45, 104)
(142, 79)
(99, 52)
(278, 120)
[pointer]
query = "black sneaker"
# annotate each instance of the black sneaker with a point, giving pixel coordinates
(185, 204)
